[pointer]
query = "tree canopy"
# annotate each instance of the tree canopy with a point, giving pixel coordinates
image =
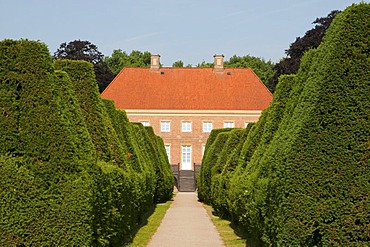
(311, 39)
(121, 59)
(85, 50)
(263, 69)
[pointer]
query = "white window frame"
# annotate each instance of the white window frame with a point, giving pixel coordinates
(186, 126)
(165, 126)
(145, 123)
(227, 123)
(207, 126)
(168, 152)
(186, 153)
(203, 149)
(246, 124)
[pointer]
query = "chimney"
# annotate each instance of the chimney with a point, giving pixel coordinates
(154, 62)
(219, 63)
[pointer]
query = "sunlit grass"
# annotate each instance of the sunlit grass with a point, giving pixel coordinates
(230, 234)
(149, 226)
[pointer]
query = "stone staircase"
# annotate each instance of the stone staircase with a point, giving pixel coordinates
(186, 180)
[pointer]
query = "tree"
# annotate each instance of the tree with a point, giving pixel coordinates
(121, 59)
(311, 39)
(178, 64)
(85, 50)
(263, 69)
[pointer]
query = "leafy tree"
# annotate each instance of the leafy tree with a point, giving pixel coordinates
(178, 64)
(85, 50)
(263, 69)
(204, 65)
(311, 39)
(121, 59)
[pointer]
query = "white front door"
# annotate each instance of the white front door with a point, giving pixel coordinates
(186, 157)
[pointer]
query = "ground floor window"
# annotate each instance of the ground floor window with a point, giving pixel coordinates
(168, 151)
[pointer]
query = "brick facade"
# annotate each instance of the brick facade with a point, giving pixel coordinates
(197, 95)
(197, 138)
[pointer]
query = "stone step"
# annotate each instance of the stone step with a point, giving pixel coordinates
(186, 181)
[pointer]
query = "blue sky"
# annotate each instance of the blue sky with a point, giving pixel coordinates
(188, 30)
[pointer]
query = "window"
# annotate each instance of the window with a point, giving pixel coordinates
(165, 126)
(203, 149)
(145, 123)
(246, 124)
(168, 152)
(228, 124)
(207, 126)
(186, 157)
(186, 126)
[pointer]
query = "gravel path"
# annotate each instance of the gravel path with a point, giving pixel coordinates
(186, 224)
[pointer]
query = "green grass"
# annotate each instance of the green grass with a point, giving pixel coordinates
(148, 227)
(229, 232)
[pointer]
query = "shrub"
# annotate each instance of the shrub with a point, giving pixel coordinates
(317, 192)
(220, 173)
(103, 135)
(214, 145)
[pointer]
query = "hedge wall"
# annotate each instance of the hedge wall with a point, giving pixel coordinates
(319, 191)
(303, 173)
(214, 145)
(222, 171)
(74, 170)
(100, 127)
(45, 189)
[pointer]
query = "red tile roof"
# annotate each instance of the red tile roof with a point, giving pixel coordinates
(188, 89)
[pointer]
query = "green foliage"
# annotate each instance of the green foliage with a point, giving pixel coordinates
(178, 64)
(86, 51)
(97, 120)
(164, 176)
(222, 171)
(46, 188)
(303, 173)
(321, 174)
(264, 70)
(121, 59)
(214, 145)
(55, 127)
(36, 211)
(311, 40)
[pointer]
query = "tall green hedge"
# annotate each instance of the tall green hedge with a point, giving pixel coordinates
(248, 189)
(45, 188)
(75, 171)
(222, 171)
(164, 176)
(97, 120)
(214, 145)
(303, 173)
(318, 193)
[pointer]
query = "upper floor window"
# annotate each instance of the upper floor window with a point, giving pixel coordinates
(165, 126)
(228, 124)
(207, 126)
(186, 126)
(145, 123)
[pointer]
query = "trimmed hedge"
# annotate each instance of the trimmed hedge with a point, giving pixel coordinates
(100, 128)
(214, 145)
(45, 188)
(303, 173)
(90, 175)
(222, 171)
(318, 194)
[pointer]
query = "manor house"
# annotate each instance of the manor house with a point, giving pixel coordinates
(183, 105)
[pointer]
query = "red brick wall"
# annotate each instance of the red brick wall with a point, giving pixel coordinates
(196, 138)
